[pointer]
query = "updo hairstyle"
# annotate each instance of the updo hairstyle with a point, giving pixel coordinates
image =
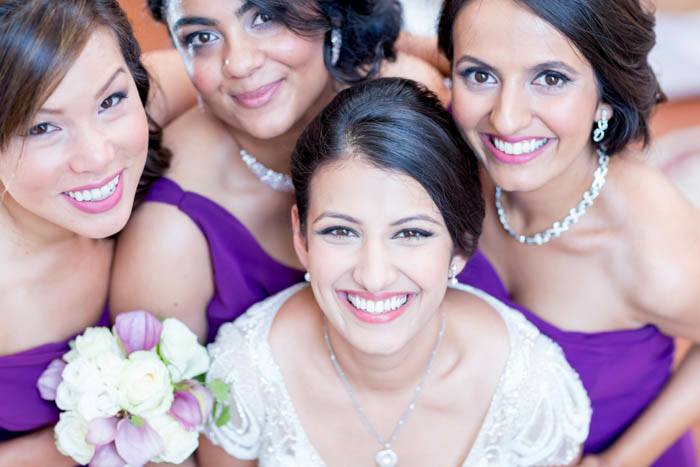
(396, 125)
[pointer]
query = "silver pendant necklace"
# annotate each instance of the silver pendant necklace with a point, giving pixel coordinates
(385, 457)
(574, 215)
(275, 180)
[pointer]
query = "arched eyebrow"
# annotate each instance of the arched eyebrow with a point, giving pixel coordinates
(108, 83)
(417, 217)
(194, 21)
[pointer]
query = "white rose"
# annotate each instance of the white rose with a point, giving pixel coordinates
(145, 388)
(179, 443)
(67, 397)
(185, 357)
(96, 341)
(82, 375)
(70, 432)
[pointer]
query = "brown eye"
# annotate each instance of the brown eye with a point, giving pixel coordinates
(481, 77)
(112, 101)
(552, 80)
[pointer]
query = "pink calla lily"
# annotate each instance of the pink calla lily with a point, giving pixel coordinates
(137, 444)
(205, 398)
(186, 410)
(138, 330)
(101, 431)
(50, 379)
(107, 456)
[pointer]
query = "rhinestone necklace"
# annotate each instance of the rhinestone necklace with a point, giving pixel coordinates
(385, 457)
(275, 180)
(574, 215)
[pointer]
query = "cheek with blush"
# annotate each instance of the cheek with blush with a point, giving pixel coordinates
(205, 75)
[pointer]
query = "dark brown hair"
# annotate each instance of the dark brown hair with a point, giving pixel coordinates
(39, 42)
(615, 37)
(369, 29)
(399, 126)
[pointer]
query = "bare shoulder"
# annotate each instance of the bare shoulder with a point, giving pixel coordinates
(415, 68)
(662, 229)
(162, 265)
(478, 321)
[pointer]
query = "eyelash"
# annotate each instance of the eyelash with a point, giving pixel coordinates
(117, 95)
(413, 234)
(469, 73)
(344, 232)
(335, 232)
(189, 39)
(41, 129)
(563, 79)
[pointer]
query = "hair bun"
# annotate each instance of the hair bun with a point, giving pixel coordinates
(369, 29)
(156, 8)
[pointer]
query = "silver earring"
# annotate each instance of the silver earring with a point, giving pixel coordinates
(307, 276)
(599, 133)
(453, 275)
(336, 44)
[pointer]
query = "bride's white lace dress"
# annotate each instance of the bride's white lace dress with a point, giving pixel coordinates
(539, 414)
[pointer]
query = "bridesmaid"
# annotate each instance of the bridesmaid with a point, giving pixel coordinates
(72, 154)
(553, 108)
(214, 237)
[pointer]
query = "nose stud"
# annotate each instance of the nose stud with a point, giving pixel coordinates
(227, 62)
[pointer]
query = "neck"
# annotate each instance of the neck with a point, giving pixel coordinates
(275, 153)
(397, 372)
(533, 211)
(29, 232)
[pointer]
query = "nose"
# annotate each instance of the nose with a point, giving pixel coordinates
(93, 151)
(511, 111)
(375, 269)
(243, 58)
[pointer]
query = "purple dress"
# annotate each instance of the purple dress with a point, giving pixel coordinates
(21, 408)
(244, 274)
(623, 371)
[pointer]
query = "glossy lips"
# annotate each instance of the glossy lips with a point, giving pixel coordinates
(259, 97)
(515, 150)
(376, 308)
(97, 198)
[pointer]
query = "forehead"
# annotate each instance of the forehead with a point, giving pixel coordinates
(98, 60)
(506, 31)
(364, 191)
(176, 9)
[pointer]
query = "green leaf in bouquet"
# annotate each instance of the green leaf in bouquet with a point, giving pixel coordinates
(224, 416)
(219, 389)
(137, 421)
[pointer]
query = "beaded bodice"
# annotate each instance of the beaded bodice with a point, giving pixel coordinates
(539, 414)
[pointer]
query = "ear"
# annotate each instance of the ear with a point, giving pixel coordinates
(299, 238)
(602, 106)
(459, 261)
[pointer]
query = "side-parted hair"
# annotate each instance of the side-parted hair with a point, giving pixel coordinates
(39, 42)
(399, 126)
(368, 29)
(615, 37)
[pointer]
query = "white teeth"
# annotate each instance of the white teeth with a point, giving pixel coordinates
(521, 147)
(378, 307)
(95, 194)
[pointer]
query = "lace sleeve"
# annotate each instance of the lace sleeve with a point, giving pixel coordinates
(554, 412)
(233, 363)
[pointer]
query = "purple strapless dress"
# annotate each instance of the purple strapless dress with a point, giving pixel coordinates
(623, 371)
(21, 408)
(244, 274)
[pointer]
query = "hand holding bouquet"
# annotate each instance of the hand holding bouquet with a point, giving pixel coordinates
(130, 395)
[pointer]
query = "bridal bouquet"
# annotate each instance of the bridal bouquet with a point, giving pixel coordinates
(130, 395)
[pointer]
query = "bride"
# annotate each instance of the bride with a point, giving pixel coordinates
(383, 359)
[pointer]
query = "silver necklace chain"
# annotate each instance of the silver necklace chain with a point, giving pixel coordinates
(574, 215)
(275, 180)
(386, 457)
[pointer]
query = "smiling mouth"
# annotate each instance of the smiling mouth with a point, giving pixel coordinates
(95, 194)
(377, 307)
(525, 146)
